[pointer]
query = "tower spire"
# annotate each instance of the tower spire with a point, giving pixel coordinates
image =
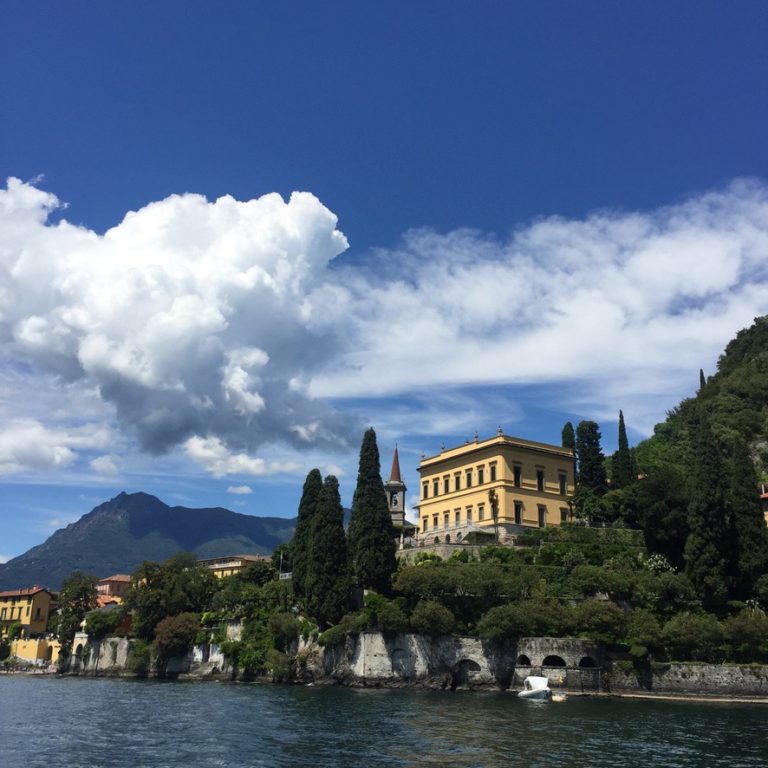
(394, 475)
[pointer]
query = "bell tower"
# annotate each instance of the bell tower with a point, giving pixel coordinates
(395, 490)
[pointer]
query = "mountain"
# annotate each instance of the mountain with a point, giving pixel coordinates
(118, 535)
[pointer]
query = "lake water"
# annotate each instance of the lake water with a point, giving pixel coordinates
(72, 722)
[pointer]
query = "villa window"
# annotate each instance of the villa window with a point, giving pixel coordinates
(446, 484)
(563, 484)
(517, 473)
(425, 525)
(469, 478)
(435, 487)
(518, 513)
(542, 515)
(469, 514)
(563, 514)
(457, 481)
(480, 511)
(424, 490)
(446, 519)
(493, 472)
(539, 479)
(480, 475)
(434, 521)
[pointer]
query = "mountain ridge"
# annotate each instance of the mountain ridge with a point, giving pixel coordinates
(118, 535)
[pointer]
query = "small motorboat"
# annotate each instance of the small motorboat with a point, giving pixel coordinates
(558, 696)
(535, 688)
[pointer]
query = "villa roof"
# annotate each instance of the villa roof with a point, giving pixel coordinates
(24, 592)
(117, 577)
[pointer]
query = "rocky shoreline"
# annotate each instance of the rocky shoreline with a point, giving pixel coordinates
(451, 663)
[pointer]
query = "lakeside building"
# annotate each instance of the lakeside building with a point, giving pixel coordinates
(499, 486)
(112, 589)
(29, 607)
(232, 564)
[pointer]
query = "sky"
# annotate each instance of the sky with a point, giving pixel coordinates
(235, 235)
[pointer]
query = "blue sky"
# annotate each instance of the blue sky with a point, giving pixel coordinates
(508, 214)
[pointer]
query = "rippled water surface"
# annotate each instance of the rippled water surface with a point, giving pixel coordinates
(119, 724)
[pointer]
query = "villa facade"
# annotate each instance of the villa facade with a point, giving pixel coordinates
(499, 486)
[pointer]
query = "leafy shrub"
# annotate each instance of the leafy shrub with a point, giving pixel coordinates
(99, 624)
(175, 635)
(139, 657)
(280, 665)
(693, 637)
(747, 635)
(350, 624)
(284, 628)
(431, 618)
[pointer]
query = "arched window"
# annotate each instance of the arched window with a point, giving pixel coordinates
(587, 663)
(523, 661)
(553, 661)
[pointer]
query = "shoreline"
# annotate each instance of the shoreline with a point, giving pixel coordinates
(194, 678)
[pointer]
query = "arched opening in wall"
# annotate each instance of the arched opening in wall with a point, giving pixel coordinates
(523, 661)
(553, 661)
(587, 663)
(463, 673)
(79, 651)
(437, 539)
(447, 538)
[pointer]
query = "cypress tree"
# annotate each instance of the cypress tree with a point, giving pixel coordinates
(371, 537)
(568, 436)
(748, 555)
(590, 457)
(327, 580)
(702, 379)
(705, 562)
(623, 474)
(313, 485)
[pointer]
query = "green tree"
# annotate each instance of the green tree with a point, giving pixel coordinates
(76, 598)
(623, 473)
(327, 576)
(693, 637)
(748, 533)
(591, 461)
(179, 585)
(371, 537)
(313, 485)
(175, 635)
(99, 624)
(431, 618)
(568, 436)
(705, 562)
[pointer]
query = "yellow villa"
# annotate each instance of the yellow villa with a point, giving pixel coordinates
(30, 608)
(501, 485)
(232, 564)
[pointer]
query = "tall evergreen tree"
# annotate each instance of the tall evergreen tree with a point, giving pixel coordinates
(590, 456)
(748, 556)
(702, 379)
(313, 485)
(705, 560)
(327, 579)
(568, 436)
(371, 537)
(623, 473)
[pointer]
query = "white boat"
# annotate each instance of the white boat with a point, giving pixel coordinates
(535, 688)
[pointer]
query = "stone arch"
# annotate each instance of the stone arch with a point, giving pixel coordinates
(523, 661)
(79, 651)
(587, 663)
(553, 661)
(463, 672)
(447, 538)
(437, 539)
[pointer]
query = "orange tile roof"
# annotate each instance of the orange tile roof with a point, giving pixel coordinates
(24, 592)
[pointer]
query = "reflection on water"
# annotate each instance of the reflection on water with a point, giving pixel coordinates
(129, 724)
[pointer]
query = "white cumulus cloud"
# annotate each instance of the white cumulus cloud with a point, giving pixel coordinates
(240, 490)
